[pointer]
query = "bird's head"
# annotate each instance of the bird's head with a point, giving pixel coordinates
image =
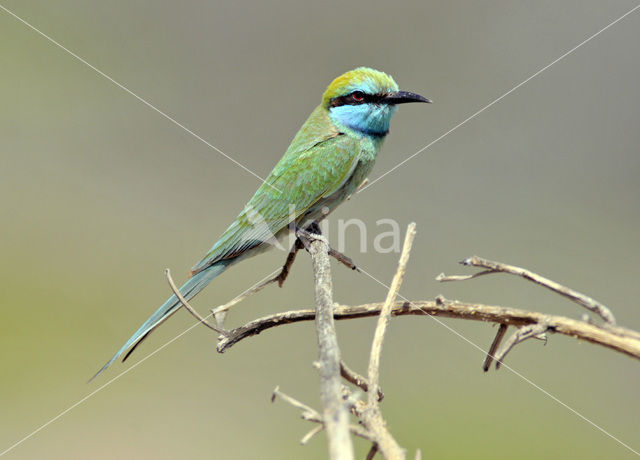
(364, 100)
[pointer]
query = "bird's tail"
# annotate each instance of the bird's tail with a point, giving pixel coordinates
(188, 290)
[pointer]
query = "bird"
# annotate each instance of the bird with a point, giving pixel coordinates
(327, 160)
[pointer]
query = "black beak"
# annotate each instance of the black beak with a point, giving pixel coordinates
(403, 97)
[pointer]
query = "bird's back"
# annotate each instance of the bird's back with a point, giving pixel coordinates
(318, 163)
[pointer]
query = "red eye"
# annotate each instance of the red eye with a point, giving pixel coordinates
(358, 96)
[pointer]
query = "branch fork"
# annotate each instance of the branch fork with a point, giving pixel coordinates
(338, 399)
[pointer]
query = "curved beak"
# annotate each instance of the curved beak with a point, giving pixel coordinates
(403, 97)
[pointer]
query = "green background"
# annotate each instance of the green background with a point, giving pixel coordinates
(99, 194)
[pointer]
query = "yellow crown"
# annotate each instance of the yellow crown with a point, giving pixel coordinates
(363, 79)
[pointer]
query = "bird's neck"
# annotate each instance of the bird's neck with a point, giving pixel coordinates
(364, 120)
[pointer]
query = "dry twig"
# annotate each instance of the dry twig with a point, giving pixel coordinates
(616, 338)
(335, 414)
(312, 415)
(499, 267)
(279, 278)
(337, 398)
(314, 229)
(352, 376)
(371, 416)
(494, 346)
(220, 312)
(385, 314)
(189, 308)
(522, 334)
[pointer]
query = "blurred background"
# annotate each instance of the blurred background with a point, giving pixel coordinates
(100, 194)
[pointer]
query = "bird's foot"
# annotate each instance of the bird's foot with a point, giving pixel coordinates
(313, 232)
(286, 268)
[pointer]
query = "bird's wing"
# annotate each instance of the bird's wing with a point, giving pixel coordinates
(296, 183)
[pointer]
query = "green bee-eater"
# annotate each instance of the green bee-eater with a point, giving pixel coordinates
(327, 160)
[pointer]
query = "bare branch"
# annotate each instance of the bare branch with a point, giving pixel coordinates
(344, 260)
(312, 415)
(336, 398)
(249, 292)
(616, 338)
(385, 316)
(305, 236)
(353, 377)
(284, 273)
(189, 308)
(522, 334)
(494, 346)
(445, 278)
(314, 431)
(371, 416)
(219, 312)
(498, 267)
(372, 452)
(294, 402)
(335, 414)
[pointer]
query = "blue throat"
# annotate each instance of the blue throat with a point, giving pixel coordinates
(366, 119)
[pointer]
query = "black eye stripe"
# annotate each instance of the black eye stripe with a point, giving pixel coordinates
(349, 99)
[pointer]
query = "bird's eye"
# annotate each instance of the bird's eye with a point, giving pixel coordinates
(358, 96)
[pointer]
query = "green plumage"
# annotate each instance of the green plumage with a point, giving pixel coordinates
(321, 167)
(328, 159)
